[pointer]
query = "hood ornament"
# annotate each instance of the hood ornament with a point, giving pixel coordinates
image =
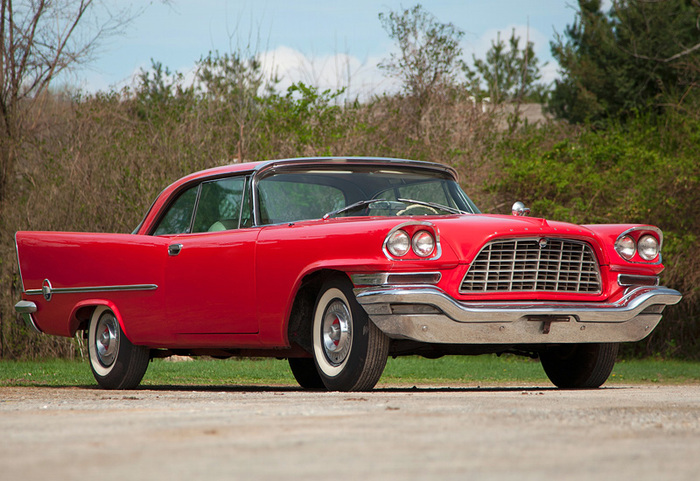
(519, 209)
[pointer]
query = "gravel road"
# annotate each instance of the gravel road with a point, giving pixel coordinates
(176, 433)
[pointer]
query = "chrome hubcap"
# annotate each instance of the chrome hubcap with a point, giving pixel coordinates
(107, 339)
(337, 332)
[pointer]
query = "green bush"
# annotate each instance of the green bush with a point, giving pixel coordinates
(646, 171)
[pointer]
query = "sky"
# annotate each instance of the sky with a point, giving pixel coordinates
(329, 43)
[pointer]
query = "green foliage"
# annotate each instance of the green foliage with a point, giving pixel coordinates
(304, 116)
(645, 171)
(639, 57)
(507, 74)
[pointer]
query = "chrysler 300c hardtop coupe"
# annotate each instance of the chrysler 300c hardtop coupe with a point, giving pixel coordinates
(336, 264)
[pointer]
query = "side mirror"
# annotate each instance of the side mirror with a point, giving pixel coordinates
(519, 209)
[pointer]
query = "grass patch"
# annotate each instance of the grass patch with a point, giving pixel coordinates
(449, 370)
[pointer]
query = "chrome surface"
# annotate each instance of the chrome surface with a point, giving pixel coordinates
(77, 290)
(384, 278)
(519, 209)
(631, 318)
(46, 289)
(438, 247)
(656, 230)
(336, 332)
(107, 339)
(26, 309)
(174, 249)
(533, 265)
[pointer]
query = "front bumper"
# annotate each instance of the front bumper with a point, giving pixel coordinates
(428, 314)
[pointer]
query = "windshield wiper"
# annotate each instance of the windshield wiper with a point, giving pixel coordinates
(350, 207)
(434, 205)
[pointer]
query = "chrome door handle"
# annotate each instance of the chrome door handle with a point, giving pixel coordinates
(174, 249)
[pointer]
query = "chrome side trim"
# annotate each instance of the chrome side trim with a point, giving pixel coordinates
(631, 318)
(386, 278)
(26, 309)
(80, 290)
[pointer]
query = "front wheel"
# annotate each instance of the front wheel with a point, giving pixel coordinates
(579, 366)
(350, 352)
(305, 372)
(115, 362)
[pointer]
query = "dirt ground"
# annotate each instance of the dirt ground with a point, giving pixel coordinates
(176, 433)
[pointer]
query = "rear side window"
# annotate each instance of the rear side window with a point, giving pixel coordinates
(219, 206)
(179, 216)
(208, 207)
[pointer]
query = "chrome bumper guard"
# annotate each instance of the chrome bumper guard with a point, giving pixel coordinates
(428, 314)
(26, 309)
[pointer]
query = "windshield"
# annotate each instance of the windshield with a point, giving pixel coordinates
(351, 191)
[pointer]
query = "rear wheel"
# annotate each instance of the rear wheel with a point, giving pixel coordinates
(576, 366)
(115, 362)
(350, 352)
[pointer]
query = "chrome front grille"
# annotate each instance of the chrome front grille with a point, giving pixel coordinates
(533, 265)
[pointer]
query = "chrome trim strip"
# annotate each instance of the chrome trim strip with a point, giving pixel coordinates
(513, 322)
(26, 309)
(385, 278)
(79, 290)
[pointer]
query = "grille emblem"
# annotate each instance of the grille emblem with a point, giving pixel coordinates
(543, 243)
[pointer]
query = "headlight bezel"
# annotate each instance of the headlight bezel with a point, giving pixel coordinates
(640, 234)
(415, 230)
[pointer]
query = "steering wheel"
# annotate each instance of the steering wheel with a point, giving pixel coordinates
(414, 207)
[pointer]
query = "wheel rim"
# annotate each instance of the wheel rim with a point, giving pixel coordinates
(336, 332)
(107, 339)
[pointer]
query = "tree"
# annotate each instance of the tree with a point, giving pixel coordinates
(38, 40)
(507, 74)
(236, 83)
(640, 56)
(428, 51)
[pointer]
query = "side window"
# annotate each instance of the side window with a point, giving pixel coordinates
(179, 216)
(219, 206)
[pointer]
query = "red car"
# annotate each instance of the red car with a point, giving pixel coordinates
(336, 264)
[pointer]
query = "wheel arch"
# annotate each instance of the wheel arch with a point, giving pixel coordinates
(301, 314)
(83, 311)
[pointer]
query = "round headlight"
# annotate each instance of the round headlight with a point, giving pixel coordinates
(423, 243)
(648, 247)
(398, 243)
(625, 247)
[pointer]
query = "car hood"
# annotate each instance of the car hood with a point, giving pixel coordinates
(467, 234)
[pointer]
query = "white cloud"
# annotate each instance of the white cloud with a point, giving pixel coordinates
(360, 79)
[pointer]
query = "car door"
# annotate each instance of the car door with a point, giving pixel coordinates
(209, 272)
